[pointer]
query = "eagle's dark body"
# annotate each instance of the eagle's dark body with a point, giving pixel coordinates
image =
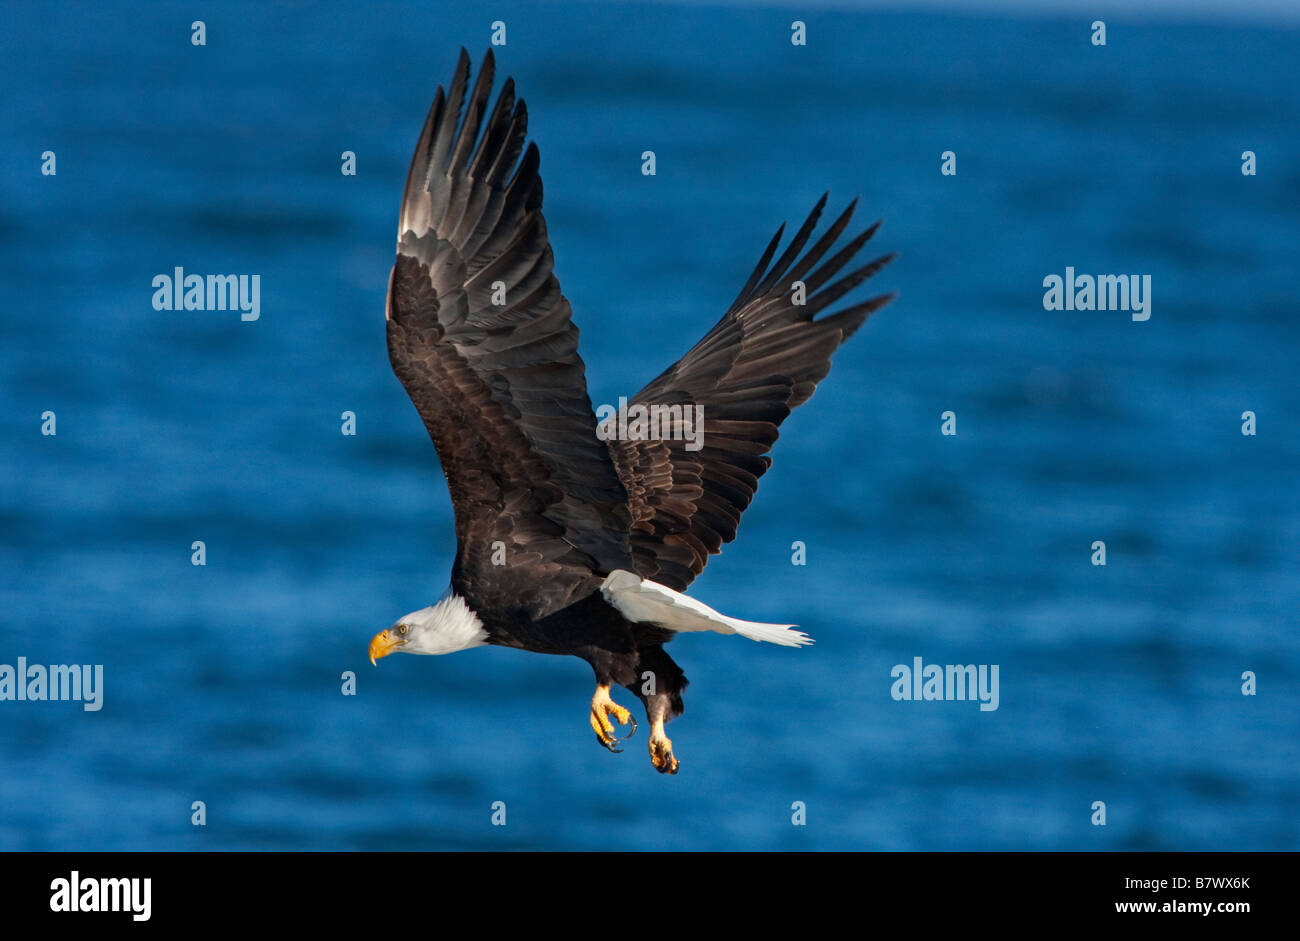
(502, 392)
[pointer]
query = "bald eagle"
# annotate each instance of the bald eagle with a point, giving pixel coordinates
(578, 536)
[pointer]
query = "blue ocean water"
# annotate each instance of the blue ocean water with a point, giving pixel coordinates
(1119, 684)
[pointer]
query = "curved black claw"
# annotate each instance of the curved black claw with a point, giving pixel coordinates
(661, 755)
(606, 738)
(603, 709)
(614, 741)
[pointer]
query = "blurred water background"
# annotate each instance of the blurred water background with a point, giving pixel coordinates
(1119, 684)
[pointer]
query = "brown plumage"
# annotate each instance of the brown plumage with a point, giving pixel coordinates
(502, 392)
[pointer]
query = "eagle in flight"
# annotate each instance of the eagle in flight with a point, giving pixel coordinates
(578, 536)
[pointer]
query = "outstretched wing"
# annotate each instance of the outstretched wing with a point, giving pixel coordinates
(763, 359)
(481, 337)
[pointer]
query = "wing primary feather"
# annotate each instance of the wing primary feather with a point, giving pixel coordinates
(747, 291)
(841, 258)
(796, 244)
(824, 298)
(415, 198)
(500, 387)
(762, 360)
(473, 115)
(814, 254)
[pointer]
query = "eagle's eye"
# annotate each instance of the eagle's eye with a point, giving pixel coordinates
(403, 628)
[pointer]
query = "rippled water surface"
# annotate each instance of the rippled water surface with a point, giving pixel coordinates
(1119, 684)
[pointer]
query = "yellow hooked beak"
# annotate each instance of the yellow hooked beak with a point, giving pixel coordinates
(384, 643)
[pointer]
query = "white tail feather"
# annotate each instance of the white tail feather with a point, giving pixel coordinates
(646, 602)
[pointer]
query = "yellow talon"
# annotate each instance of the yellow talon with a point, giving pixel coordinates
(661, 750)
(602, 707)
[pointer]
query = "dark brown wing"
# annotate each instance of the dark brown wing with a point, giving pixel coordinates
(763, 359)
(500, 386)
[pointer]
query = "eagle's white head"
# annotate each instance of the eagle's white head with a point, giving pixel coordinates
(445, 627)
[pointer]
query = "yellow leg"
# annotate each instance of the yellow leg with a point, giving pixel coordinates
(661, 749)
(602, 707)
